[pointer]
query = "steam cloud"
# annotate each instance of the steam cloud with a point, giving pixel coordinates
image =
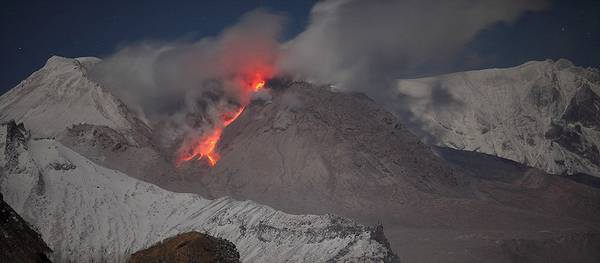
(355, 44)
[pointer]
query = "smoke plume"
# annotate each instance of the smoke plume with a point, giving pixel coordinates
(191, 87)
(160, 79)
(358, 45)
(365, 45)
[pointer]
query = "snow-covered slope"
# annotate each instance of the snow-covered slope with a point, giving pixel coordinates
(544, 114)
(88, 213)
(59, 95)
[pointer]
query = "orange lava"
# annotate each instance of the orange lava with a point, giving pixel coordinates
(205, 148)
(207, 143)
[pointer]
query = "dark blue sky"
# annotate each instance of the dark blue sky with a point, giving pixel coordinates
(32, 31)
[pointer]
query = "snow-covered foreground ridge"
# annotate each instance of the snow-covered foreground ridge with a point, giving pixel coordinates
(544, 114)
(88, 213)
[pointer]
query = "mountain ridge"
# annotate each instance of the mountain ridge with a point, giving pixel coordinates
(540, 113)
(302, 148)
(86, 212)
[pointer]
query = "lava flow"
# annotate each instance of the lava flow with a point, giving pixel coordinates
(207, 143)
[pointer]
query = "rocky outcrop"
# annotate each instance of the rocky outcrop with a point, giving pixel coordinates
(189, 247)
(12, 136)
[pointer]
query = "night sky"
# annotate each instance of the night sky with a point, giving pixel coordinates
(32, 31)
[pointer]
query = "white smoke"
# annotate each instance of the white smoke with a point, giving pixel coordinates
(363, 45)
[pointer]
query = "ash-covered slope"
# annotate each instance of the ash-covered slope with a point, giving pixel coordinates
(543, 114)
(308, 149)
(343, 148)
(88, 213)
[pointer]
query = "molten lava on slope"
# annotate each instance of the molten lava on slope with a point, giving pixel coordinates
(205, 145)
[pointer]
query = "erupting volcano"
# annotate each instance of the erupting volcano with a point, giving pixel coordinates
(205, 145)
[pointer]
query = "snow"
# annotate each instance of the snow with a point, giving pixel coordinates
(60, 95)
(91, 213)
(505, 112)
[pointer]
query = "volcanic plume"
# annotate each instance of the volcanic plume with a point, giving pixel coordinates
(191, 91)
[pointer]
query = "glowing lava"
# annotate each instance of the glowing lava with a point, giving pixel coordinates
(205, 146)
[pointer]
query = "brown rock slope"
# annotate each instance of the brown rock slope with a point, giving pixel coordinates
(189, 247)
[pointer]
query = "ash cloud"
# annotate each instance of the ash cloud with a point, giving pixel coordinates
(367, 45)
(163, 79)
(355, 44)
(185, 88)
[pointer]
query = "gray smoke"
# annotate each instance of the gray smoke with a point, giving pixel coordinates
(366, 45)
(167, 79)
(357, 45)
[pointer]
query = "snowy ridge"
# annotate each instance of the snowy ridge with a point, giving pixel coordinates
(59, 95)
(88, 213)
(542, 113)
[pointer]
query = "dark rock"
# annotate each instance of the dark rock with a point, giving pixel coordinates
(63, 166)
(543, 95)
(99, 136)
(16, 136)
(584, 108)
(18, 241)
(571, 138)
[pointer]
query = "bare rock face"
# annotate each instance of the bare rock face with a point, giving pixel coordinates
(19, 243)
(189, 247)
(543, 114)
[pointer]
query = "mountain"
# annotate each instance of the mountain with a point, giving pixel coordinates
(86, 212)
(543, 114)
(61, 101)
(306, 149)
(60, 95)
(310, 150)
(19, 242)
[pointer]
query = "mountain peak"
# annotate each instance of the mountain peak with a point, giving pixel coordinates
(61, 92)
(64, 64)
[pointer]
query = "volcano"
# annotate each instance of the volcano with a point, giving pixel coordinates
(300, 149)
(312, 150)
